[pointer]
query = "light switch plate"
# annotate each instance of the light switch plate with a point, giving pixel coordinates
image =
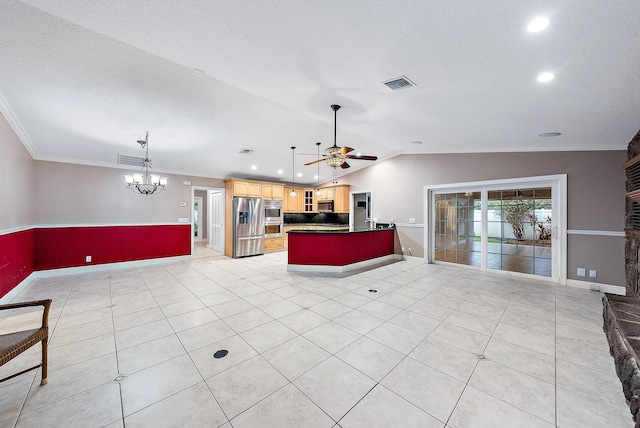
(412, 220)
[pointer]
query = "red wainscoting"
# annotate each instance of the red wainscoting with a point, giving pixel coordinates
(338, 248)
(16, 258)
(63, 247)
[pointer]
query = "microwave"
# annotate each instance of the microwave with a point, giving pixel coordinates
(325, 206)
(273, 210)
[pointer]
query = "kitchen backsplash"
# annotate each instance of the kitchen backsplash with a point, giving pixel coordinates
(326, 218)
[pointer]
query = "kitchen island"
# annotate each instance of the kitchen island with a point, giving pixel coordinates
(339, 251)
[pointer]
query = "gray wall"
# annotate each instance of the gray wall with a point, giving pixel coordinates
(595, 187)
(16, 178)
(80, 194)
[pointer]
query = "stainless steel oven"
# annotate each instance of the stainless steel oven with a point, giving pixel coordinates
(273, 211)
(273, 230)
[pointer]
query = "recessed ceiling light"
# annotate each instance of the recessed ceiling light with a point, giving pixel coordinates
(279, 171)
(253, 167)
(538, 24)
(550, 134)
(299, 174)
(546, 77)
(416, 142)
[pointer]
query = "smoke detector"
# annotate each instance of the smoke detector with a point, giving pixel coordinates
(399, 83)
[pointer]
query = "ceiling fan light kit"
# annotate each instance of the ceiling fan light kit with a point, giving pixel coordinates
(145, 182)
(336, 156)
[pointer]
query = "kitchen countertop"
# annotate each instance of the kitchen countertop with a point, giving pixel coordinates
(316, 224)
(338, 231)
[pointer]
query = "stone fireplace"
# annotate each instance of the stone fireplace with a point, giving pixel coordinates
(622, 313)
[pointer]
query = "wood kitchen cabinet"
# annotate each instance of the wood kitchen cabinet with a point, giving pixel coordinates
(273, 244)
(272, 191)
(293, 204)
(247, 188)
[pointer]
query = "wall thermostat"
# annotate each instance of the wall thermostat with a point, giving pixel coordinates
(183, 204)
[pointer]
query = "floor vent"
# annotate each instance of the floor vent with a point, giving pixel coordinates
(399, 83)
(130, 160)
(481, 357)
(119, 378)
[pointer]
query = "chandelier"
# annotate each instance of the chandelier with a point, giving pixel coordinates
(334, 156)
(145, 181)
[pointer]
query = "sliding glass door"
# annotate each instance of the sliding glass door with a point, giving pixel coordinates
(501, 225)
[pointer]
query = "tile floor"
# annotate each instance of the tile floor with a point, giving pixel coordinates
(134, 347)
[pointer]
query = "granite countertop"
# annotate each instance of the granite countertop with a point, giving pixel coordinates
(316, 224)
(329, 232)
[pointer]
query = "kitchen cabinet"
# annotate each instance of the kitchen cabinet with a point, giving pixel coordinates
(247, 188)
(272, 191)
(273, 244)
(293, 204)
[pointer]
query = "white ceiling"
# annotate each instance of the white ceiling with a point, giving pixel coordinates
(82, 81)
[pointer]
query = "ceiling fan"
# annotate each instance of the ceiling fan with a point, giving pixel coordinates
(337, 156)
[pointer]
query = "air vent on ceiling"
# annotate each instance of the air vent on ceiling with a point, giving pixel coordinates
(245, 151)
(399, 83)
(130, 160)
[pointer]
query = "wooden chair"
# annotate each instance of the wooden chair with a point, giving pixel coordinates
(13, 344)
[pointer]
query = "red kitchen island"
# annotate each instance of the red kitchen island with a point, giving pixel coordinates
(339, 251)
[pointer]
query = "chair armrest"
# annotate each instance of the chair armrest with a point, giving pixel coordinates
(45, 315)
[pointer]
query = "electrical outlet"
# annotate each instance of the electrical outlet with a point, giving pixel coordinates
(581, 272)
(592, 273)
(87, 259)
(412, 220)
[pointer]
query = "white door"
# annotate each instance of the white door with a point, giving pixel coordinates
(216, 208)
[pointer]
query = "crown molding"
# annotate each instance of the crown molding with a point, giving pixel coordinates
(15, 124)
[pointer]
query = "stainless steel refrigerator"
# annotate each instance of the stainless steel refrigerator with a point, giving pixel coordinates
(248, 227)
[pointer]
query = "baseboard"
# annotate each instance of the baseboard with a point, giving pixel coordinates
(595, 286)
(107, 266)
(13, 293)
(345, 268)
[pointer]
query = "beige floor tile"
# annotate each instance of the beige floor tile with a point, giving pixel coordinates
(139, 357)
(247, 320)
(99, 406)
(295, 357)
(303, 321)
(206, 334)
(380, 310)
(66, 336)
(137, 319)
(12, 397)
(434, 392)
(186, 306)
(134, 302)
(244, 385)
(193, 407)
(268, 336)
(65, 382)
(383, 408)
(578, 411)
(209, 366)
(280, 308)
(218, 298)
(415, 322)
(396, 337)
(334, 386)
(540, 342)
(477, 409)
(523, 359)
(307, 299)
(263, 298)
(448, 359)
(471, 322)
(76, 319)
(431, 310)
(359, 321)
(370, 357)
(288, 407)
(83, 350)
(142, 333)
(156, 383)
(192, 319)
(331, 337)
(594, 384)
(231, 307)
(330, 309)
(525, 392)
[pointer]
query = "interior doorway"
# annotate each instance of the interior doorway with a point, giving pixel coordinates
(360, 211)
(208, 220)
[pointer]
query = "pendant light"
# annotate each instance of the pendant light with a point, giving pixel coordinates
(293, 193)
(318, 175)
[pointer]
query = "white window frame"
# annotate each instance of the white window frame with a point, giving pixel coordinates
(558, 184)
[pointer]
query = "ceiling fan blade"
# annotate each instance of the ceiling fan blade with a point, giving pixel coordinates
(363, 157)
(345, 165)
(314, 162)
(344, 150)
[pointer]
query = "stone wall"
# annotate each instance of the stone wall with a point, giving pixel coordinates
(632, 232)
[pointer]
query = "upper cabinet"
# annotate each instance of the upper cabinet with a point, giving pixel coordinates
(272, 191)
(244, 188)
(294, 204)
